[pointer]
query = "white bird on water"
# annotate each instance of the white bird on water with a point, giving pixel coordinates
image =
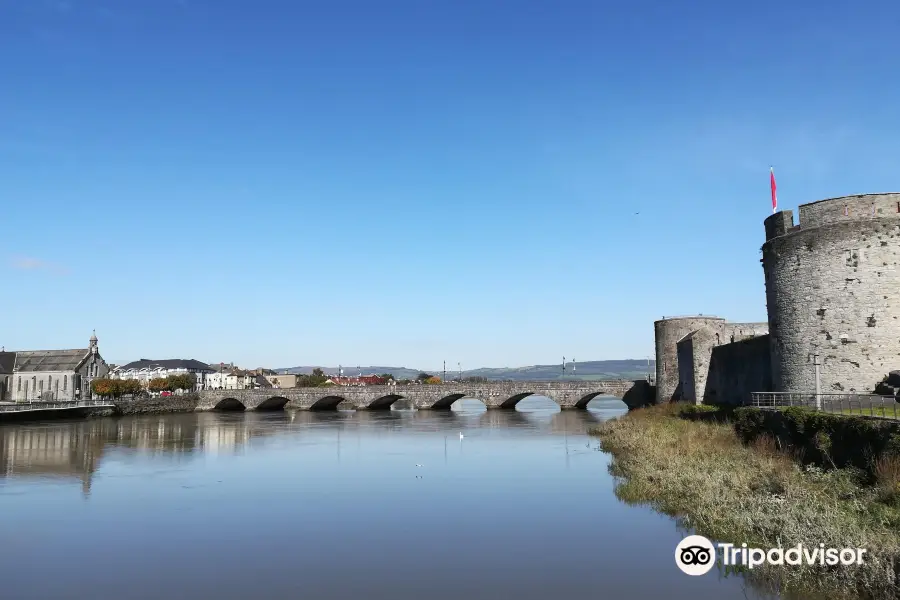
(418, 465)
(461, 436)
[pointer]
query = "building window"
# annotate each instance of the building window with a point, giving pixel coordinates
(65, 382)
(49, 381)
(19, 384)
(33, 382)
(41, 386)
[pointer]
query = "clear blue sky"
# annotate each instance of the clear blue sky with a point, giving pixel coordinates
(403, 182)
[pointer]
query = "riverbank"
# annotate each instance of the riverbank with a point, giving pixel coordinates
(701, 473)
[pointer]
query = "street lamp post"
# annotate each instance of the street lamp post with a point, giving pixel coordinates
(818, 364)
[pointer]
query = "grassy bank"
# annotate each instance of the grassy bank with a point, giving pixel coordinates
(703, 474)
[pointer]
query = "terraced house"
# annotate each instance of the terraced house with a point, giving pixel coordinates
(54, 375)
(146, 369)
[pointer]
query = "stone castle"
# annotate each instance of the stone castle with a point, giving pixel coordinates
(832, 295)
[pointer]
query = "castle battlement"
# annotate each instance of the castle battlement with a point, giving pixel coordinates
(844, 209)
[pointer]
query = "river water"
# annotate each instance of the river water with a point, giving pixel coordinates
(331, 505)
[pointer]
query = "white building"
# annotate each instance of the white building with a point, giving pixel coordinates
(145, 369)
(55, 375)
(236, 379)
(282, 381)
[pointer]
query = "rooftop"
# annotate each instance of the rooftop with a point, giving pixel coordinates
(168, 363)
(680, 317)
(50, 360)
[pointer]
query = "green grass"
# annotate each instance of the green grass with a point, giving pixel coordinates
(700, 472)
(879, 411)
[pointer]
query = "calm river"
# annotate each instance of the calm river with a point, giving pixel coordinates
(331, 505)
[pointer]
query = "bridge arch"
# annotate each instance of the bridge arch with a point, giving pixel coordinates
(384, 402)
(230, 404)
(583, 402)
(513, 400)
(447, 401)
(273, 403)
(327, 403)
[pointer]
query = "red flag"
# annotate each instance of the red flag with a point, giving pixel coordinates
(774, 195)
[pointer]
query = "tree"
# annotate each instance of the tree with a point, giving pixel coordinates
(422, 376)
(317, 379)
(432, 380)
(387, 377)
(158, 384)
(185, 381)
(129, 387)
(115, 388)
(104, 387)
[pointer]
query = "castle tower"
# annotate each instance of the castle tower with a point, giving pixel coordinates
(831, 291)
(668, 333)
(93, 343)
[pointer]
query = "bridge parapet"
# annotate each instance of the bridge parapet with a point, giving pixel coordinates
(439, 396)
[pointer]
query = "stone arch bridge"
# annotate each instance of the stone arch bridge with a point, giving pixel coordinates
(503, 395)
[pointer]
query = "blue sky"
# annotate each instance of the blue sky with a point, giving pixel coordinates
(407, 181)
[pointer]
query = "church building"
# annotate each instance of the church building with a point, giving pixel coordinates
(53, 375)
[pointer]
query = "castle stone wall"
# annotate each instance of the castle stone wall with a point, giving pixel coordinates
(863, 207)
(694, 351)
(668, 332)
(832, 288)
(738, 369)
(685, 352)
(742, 331)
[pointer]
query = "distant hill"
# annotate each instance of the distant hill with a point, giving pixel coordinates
(397, 372)
(589, 370)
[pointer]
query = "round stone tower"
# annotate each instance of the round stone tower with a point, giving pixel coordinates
(668, 332)
(832, 290)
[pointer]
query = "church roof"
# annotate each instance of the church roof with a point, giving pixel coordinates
(50, 360)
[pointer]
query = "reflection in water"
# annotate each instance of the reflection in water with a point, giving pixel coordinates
(74, 448)
(70, 450)
(285, 504)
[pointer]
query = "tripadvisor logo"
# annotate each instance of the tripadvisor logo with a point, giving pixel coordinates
(696, 555)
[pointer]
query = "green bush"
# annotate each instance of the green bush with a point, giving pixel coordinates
(822, 438)
(893, 445)
(699, 408)
(705, 412)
